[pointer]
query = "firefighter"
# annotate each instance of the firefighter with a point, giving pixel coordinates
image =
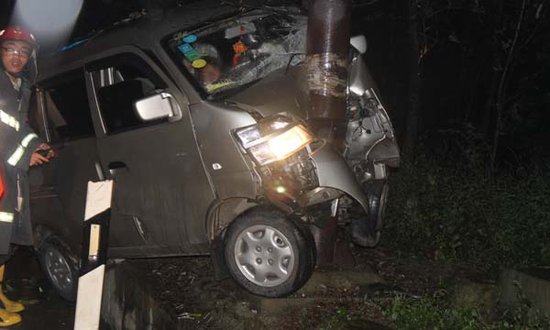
(20, 148)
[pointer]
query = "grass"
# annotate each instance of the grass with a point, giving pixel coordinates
(449, 211)
(435, 313)
(444, 206)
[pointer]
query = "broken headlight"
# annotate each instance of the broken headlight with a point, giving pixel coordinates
(273, 139)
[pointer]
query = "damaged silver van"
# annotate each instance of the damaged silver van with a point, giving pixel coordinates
(199, 117)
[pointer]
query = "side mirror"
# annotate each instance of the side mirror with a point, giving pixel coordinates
(157, 106)
(360, 43)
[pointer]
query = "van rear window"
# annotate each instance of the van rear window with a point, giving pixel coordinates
(68, 109)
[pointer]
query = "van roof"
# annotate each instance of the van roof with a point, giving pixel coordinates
(144, 32)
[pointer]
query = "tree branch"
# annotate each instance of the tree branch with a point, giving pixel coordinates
(502, 83)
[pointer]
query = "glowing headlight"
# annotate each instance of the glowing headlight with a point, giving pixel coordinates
(273, 146)
(288, 142)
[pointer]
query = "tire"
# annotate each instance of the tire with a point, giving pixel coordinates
(367, 234)
(60, 267)
(269, 254)
(377, 192)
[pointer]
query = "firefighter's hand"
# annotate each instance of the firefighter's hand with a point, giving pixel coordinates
(42, 154)
(48, 151)
(38, 159)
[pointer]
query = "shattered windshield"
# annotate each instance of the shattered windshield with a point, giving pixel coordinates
(238, 51)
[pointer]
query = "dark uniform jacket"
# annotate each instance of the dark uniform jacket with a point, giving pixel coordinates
(17, 142)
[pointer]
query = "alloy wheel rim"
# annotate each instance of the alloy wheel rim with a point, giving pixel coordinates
(264, 255)
(58, 270)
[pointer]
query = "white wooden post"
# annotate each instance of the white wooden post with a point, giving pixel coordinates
(94, 255)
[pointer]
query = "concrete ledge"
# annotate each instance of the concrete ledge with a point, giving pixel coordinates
(128, 303)
(533, 284)
(132, 292)
(344, 280)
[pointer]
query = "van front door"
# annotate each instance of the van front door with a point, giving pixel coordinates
(161, 189)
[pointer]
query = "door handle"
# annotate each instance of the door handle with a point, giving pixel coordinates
(117, 167)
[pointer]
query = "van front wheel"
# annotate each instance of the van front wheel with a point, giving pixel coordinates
(269, 254)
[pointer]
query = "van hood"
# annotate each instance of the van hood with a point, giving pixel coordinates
(279, 92)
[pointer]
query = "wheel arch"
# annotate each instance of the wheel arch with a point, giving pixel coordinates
(220, 215)
(40, 234)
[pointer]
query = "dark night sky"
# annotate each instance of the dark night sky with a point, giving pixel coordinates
(5, 10)
(93, 15)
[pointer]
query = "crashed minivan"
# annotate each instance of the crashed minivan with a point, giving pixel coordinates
(208, 146)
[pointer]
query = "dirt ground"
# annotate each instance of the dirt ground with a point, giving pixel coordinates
(333, 299)
(44, 309)
(186, 288)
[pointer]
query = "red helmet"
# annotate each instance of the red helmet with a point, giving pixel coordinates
(18, 33)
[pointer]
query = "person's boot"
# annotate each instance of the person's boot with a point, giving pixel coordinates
(9, 305)
(8, 318)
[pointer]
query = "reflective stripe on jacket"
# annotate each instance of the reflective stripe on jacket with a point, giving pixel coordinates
(9, 120)
(6, 217)
(20, 151)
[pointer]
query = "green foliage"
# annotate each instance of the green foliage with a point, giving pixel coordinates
(435, 313)
(443, 205)
(336, 321)
(427, 313)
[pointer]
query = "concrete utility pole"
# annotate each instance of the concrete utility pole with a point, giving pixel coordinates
(328, 34)
(327, 48)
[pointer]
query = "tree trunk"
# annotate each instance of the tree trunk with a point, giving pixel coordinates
(494, 9)
(501, 91)
(415, 83)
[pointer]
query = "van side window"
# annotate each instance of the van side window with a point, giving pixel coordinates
(119, 83)
(67, 108)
